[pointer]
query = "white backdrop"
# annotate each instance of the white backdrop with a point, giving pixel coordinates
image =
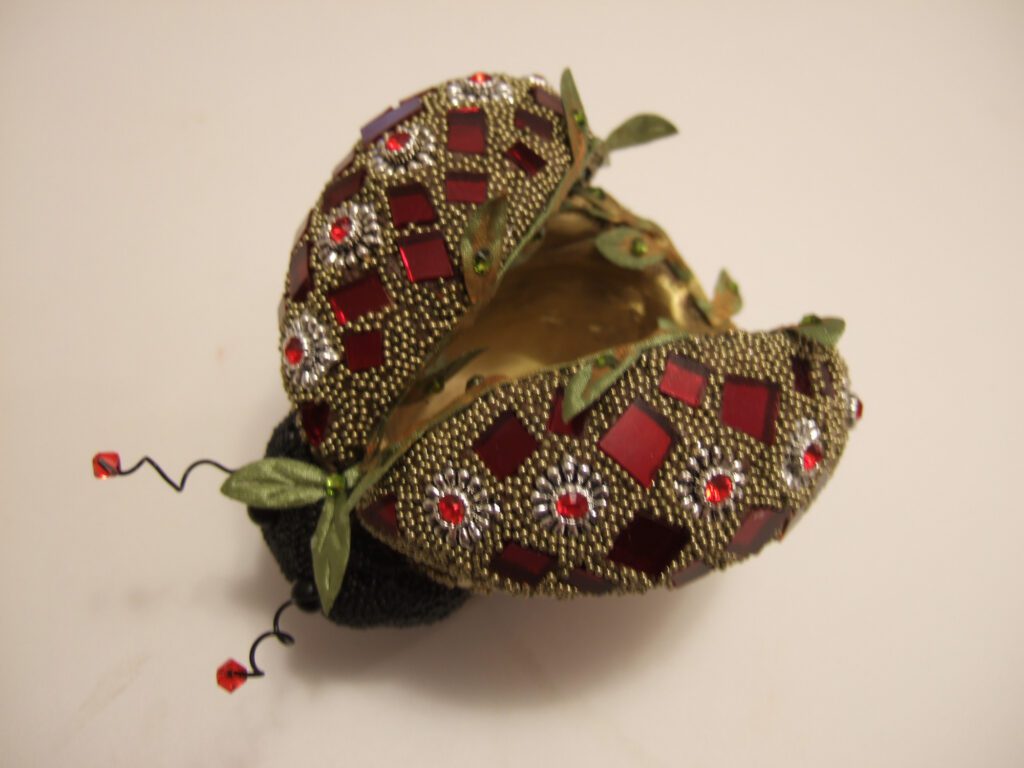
(862, 159)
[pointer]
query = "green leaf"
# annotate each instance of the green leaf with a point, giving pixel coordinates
(727, 300)
(639, 129)
(823, 330)
(276, 484)
(575, 118)
(594, 378)
(482, 247)
(621, 247)
(331, 544)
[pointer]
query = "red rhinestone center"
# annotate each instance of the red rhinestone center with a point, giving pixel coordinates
(718, 489)
(397, 141)
(452, 509)
(340, 229)
(813, 454)
(480, 78)
(573, 505)
(294, 351)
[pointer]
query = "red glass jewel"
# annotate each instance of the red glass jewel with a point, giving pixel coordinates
(294, 351)
(751, 406)
(688, 573)
(858, 410)
(527, 121)
(467, 131)
(340, 228)
(106, 464)
(383, 516)
(364, 350)
(684, 379)
(410, 204)
(505, 445)
(315, 418)
(480, 78)
(298, 273)
(360, 297)
(522, 564)
(718, 489)
(343, 188)
(588, 582)
(556, 422)
(397, 141)
(529, 161)
(639, 441)
(756, 530)
(451, 509)
(547, 99)
(425, 256)
(572, 505)
(231, 675)
(802, 376)
(813, 454)
(462, 187)
(648, 545)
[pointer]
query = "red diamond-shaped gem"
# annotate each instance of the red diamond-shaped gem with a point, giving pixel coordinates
(364, 350)
(467, 131)
(557, 424)
(465, 187)
(106, 464)
(527, 121)
(751, 406)
(684, 379)
(343, 188)
(529, 161)
(410, 204)
(688, 573)
(588, 582)
(298, 273)
(390, 118)
(425, 256)
(639, 441)
(756, 530)
(231, 675)
(360, 297)
(802, 376)
(315, 419)
(547, 99)
(383, 516)
(718, 489)
(648, 545)
(522, 564)
(505, 445)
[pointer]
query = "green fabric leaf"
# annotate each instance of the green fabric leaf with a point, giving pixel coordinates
(594, 378)
(575, 119)
(331, 544)
(276, 484)
(621, 247)
(482, 247)
(639, 129)
(824, 330)
(727, 300)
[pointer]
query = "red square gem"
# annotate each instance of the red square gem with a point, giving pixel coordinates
(298, 273)
(527, 121)
(465, 187)
(802, 376)
(364, 350)
(425, 257)
(684, 379)
(639, 441)
(315, 418)
(353, 300)
(505, 445)
(390, 118)
(557, 424)
(410, 204)
(342, 188)
(648, 545)
(751, 406)
(467, 131)
(529, 161)
(547, 99)
(756, 530)
(522, 564)
(382, 515)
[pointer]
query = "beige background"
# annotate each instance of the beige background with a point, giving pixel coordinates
(862, 159)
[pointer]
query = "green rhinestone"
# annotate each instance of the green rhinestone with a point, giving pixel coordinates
(474, 382)
(437, 385)
(580, 118)
(639, 247)
(334, 485)
(607, 360)
(482, 261)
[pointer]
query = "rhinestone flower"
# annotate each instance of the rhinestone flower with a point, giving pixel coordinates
(306, 351)
(712, 484)
(408, 148)
(478, 88)
(805, 456)
(569, 497)
(460, 506)
(347, 234)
